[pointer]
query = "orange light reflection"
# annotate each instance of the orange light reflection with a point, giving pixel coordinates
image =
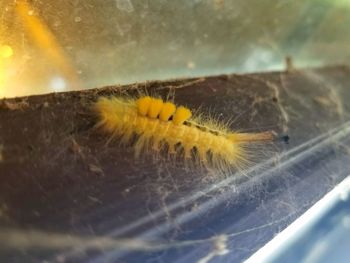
(6, 53)
(46, 40)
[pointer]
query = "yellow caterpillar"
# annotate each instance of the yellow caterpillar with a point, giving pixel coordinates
(160, 125)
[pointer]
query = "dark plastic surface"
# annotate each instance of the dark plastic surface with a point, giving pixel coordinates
(66, 196)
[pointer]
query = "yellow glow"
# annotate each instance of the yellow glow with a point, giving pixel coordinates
(46, 40)
(2, 78)
(6, 51)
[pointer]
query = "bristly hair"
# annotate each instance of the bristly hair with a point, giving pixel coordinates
(162, 126)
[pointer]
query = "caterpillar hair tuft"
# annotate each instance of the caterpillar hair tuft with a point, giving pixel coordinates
(160, 125)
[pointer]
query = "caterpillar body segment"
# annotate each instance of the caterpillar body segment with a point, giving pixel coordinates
(160, 125)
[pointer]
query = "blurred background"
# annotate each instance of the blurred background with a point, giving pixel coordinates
(48, 46)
